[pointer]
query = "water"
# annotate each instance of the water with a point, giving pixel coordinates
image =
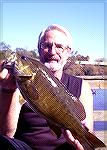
(100, 99)
(100, 105)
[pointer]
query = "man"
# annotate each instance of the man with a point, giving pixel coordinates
(29, 129)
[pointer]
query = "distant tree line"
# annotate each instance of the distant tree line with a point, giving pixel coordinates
(71, 67)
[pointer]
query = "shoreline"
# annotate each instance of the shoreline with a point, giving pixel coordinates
(97, 82)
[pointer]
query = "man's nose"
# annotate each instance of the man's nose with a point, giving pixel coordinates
(52, 49)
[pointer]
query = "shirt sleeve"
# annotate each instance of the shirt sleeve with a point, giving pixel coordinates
(7, 143)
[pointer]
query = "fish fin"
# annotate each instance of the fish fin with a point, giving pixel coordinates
(94, 141)
(79, 110)
(55, 130)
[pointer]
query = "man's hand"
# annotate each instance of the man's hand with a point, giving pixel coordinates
(71, 140)
(7, 79)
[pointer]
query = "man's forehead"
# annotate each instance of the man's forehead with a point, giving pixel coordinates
(55, 36)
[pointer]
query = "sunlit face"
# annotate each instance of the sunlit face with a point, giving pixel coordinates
(54, 50)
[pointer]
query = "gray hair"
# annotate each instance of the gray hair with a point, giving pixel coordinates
(55, 27)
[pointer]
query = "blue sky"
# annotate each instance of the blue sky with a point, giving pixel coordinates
(22, 21)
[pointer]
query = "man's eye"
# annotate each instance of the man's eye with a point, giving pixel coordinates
(48, 45)
(59, 46)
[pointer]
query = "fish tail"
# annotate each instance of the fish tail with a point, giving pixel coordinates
(94, 141)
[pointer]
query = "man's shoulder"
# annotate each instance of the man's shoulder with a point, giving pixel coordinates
(73, 84)
(73, 77)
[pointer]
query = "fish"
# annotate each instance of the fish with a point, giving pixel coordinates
(47, 95)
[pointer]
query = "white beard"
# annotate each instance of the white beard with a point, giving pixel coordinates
(54, 65)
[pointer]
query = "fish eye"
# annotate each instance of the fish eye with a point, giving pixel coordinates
(23, 57)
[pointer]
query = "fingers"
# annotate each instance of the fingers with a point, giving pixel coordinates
(71, 140)
(78, 145)
(3, 71)
(7, 79)
(68, 136)
(3, 74)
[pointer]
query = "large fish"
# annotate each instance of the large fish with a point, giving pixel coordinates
(47, 94)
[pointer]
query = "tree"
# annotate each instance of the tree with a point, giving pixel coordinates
(5, 50)
(100, 60)
(4, 46)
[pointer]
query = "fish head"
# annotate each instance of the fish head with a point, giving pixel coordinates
(22, 64)
(25, 65)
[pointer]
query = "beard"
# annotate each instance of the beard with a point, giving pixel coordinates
(54, 65)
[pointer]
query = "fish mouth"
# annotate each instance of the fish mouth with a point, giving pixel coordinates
(22, 74)
(23, 77)
(11, 64)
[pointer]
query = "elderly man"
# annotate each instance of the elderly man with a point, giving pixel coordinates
(26, 129)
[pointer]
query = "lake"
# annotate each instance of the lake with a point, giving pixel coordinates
(100, 99)
(100, 113)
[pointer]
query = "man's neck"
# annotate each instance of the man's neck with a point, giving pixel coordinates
(58, 74)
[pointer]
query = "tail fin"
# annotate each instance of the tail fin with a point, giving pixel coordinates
(94, 141)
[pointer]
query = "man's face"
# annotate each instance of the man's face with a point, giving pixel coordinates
(54, 52)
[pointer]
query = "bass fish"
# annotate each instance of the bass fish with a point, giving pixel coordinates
(48, 95)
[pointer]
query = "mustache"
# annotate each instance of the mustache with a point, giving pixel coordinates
(48, 59)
